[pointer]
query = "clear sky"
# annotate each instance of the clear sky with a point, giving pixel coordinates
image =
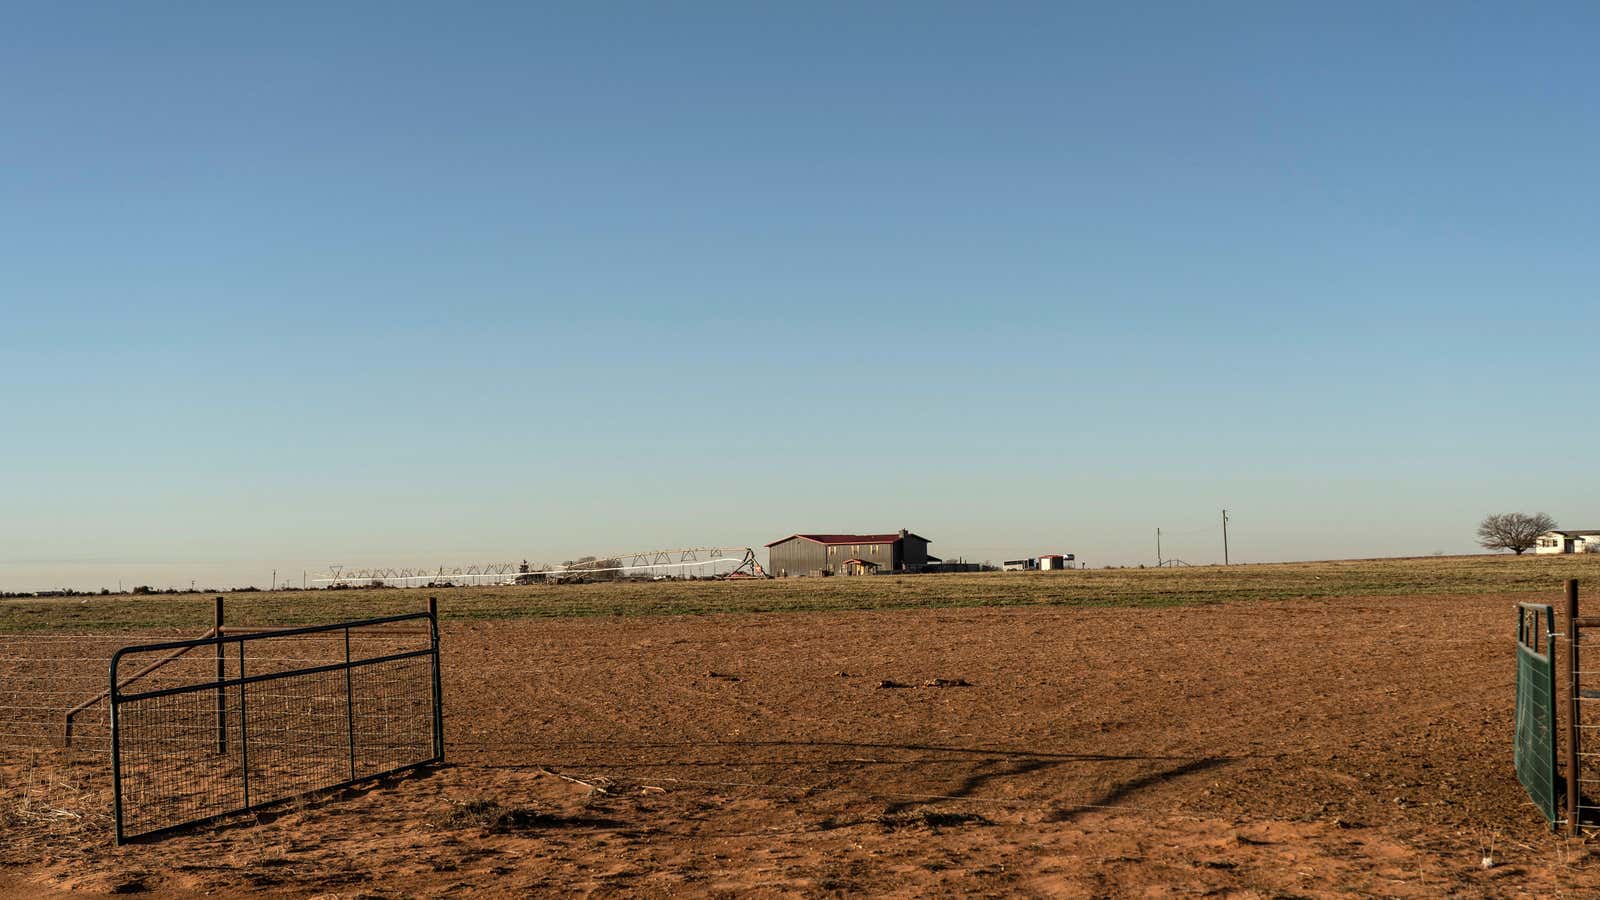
(284, 285)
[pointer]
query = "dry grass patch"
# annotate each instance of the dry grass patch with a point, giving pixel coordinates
(1198, 585)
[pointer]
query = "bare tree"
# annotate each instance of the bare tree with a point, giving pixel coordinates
(1516, 532)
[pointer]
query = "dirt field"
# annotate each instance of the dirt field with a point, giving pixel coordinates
(1351, 745)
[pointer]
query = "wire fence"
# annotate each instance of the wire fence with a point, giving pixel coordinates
(54, 689)
(205, 725)
(254, 719)
(1557, 727)
(50, 681)
(52, 792)
(1585, 710)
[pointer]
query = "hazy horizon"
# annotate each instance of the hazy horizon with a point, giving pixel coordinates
(409, 285)
(1200, 546)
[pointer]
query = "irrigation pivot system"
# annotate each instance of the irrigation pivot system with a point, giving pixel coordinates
(720, 562)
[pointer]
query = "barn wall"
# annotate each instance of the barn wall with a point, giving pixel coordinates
(796, 556)
(882, 554)
(915, 552)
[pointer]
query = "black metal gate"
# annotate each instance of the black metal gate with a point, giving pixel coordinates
(266, 716)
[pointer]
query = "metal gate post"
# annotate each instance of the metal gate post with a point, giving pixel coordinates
(116, 749)
(438, 699)
(1573, 787)
(222, 692)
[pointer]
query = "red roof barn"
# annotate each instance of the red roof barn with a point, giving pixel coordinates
(827, 554)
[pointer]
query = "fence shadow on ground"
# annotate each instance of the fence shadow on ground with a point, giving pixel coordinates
(314, 800)
(976, 768)
(1123, 791)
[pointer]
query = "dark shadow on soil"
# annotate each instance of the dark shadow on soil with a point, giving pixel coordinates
(987, 765)
(497, 818)
(1126, 789)
(493, 749)
(976, 780)
(278, 808)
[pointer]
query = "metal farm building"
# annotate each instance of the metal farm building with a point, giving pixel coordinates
(847, 554)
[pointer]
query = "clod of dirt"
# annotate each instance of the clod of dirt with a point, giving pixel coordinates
(933, 821)
(723, 675)
(841, 674)
(133, 885)
(947, 682)
(891, 683)
(493, 817)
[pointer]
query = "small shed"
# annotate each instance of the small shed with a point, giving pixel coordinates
(855, 566)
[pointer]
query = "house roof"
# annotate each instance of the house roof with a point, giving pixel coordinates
(849, 538)
(861, 562)
(1574, 533)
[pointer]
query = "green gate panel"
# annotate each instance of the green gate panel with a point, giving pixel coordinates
(1534, 753)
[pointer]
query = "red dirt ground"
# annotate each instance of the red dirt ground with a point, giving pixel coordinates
(1311, 748)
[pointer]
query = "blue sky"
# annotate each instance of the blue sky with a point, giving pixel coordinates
(417, 284)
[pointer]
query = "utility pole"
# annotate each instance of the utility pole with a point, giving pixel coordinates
(274, 580)
(1158, 548)
(1224, 537)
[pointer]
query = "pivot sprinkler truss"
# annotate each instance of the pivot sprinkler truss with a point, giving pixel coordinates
(682, 561)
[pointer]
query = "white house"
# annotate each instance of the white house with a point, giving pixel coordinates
(1566, 541)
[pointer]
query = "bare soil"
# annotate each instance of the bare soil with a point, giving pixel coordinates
(1320, 747)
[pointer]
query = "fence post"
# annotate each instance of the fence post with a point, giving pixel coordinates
(222, 692)
(1573, 792)
(350, 703)
(438, 699)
